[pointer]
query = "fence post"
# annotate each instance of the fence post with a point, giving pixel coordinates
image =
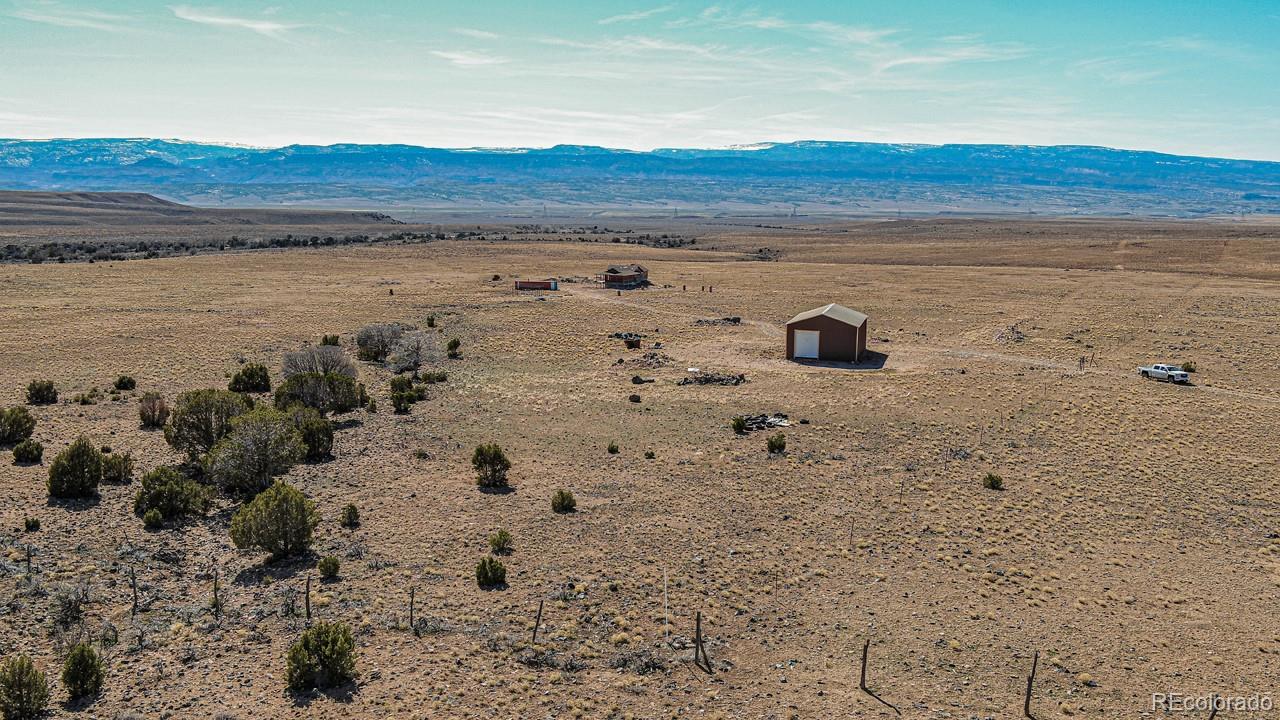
(862, 680)
(699, 650)
(537, 622)
(1026, 702)
(217, 601)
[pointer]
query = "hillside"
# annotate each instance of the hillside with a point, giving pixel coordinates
(813, 177)
(22, 208)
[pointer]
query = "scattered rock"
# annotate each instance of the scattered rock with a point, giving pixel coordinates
(731, 320)
(766, 422)
(705, 378)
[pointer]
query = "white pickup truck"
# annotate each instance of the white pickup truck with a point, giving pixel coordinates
(1162, 371)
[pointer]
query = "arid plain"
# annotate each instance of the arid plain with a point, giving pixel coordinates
(1135, 545)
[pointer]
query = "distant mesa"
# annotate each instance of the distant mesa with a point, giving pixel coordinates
(141, 209)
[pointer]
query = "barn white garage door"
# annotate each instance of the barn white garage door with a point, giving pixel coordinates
(806, 344)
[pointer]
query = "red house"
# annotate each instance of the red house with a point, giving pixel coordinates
(625, 276)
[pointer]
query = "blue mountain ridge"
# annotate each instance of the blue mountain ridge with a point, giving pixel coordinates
(1083, 178)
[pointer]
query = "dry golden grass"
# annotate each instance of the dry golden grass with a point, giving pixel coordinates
(1133, 544)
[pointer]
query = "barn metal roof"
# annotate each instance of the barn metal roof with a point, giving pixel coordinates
(624, 269)
(835, 312)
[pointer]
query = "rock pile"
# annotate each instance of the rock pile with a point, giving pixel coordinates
(713, 379)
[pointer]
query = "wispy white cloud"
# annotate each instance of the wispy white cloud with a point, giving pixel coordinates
(1195, 45)
(857, 50)
(215, 18)
(636, 16)
(477, 34)
(1115, 70)
(634, 45)
(848, 33)
(53, 13)
(949, 53)
(822, 29)
(466, 58)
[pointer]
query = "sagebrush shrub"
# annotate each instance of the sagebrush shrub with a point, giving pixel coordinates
(82, 674)
(125, 383)
(153, 411)
(432, 377)
(24, 692)
(410, 352)
(562, 501)
(401, 384)
(374, 342)
(280, 520)
(117, 469)
(252, 378)
(69, 603)
(16, 424)
(76, 471)
(152, 520)
(331, 393)
(41, 392)
(453, 346)
(315, 430)
(402, 401)
(328, 567)
(88, 398)
(203, 417)
(613, 448)
(501, 543)
(262, 444)
(321, 359)
(739, 424)
(777, 444)
(490, 572)
(350, 517)
(171, 494)
(31, 524)
(329, 340)
(323, 657)
(491, 466)
(992, 481)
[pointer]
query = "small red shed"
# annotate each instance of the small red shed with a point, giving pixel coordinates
(537, 285)
(831, 332)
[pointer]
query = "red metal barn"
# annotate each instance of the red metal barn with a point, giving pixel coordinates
(832, 332)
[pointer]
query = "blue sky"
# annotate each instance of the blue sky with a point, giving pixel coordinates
(1177, 76)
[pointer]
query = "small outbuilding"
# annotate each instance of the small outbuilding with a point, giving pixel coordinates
(625, 276)
(831, 332)
(549, 284)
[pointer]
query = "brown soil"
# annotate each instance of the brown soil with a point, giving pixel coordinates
(1135, 539)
